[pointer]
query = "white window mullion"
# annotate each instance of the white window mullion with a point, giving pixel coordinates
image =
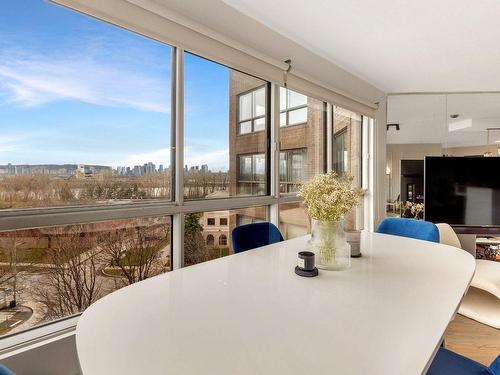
(177, 241)
(178, 124)
(329, 137)
(275, 152)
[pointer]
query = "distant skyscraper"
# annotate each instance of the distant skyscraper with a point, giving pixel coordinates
(204, 168)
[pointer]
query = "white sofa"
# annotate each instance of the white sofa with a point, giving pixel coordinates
(482, 301)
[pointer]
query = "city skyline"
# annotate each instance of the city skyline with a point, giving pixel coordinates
(148, 167)
(102, 96)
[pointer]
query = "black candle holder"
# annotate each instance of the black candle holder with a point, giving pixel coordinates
(305, 266)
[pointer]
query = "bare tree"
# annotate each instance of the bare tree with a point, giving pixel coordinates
(135, 251)
(71, 283)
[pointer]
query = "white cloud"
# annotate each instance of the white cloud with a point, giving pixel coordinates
(36, 79)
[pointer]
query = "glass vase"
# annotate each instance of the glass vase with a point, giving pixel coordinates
(329, 244)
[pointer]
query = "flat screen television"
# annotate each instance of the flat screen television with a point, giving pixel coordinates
(462, 191)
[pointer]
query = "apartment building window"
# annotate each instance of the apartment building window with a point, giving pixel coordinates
(293, 169)
(211, 221)
(251, 174)
(252, 111)
(221, 103)
(293, 107)
(223, 240)
(223, 221)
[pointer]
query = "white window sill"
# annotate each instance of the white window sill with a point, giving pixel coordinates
(37, 336)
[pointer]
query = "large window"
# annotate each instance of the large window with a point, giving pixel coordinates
(100, 189)
(220, 105)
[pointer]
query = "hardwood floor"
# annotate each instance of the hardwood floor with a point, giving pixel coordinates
(473, 339)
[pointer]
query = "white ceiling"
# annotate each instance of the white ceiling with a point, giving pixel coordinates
(397, 45)
(218, 17)
(426, 119)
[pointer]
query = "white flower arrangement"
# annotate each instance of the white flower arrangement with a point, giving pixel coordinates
(328, 197)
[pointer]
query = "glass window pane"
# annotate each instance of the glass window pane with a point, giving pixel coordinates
(212, 143)
(203, 243)
(347, 154)
(296, 99)
(297, 116)
(293, 220)
(245, 107)
(283, 168)
(347, 143)
(244, 188)
(93, 131)
(259, 124)
(283, 119)
(246, 127)
(54, 272)
(303, 148)
(259, 102)
(259, 167)
(245, 172)
(283, 102)
(299, 166)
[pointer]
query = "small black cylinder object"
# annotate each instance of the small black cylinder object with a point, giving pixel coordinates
(306, 260)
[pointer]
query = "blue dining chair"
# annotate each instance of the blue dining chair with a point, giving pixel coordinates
(418, 229)
(5, 371)
(250, 236)
(447, 362)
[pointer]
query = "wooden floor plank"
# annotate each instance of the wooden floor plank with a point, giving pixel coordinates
(473, 339)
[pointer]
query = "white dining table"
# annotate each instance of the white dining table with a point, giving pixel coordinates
(249, 313)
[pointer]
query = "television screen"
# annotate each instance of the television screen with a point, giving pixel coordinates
(462, 190)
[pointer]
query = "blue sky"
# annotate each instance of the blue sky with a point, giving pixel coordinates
(77, 90)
